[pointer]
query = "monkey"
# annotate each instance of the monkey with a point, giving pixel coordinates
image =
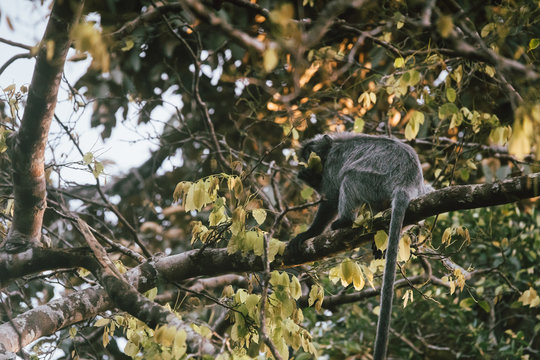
(358, 169)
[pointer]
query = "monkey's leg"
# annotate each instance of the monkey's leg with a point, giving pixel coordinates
(326, 212)
(357, 188)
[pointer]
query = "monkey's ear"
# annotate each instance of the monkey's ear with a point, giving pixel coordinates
(327, 139)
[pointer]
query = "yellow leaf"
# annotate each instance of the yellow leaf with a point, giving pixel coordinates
(445, 25)
(238, 220)
(259, 215)
(87, 158)
(295, 288)
(131, 349)
(399, 62)
(358, 278)
(347, 271)
(101, 322)
(179, 347)
(335, 274)
(381, 240)
(404, 252)
(447, 236)
(519, 144)
(530, 297)
(270, 59)
(128, 46)
(181, 189)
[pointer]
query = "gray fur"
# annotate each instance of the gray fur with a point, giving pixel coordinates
(363, 169)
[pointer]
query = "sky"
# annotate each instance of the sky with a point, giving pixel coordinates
(124, 150)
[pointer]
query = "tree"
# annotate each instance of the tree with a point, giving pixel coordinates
(164, 263)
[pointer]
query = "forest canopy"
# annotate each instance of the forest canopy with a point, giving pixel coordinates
(185, 255)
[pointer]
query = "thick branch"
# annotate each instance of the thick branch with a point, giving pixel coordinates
(28, 148)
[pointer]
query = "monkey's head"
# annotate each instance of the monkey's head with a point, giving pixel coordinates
(313, 153)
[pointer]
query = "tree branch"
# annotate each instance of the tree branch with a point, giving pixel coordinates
(28, 146)
(213, 262)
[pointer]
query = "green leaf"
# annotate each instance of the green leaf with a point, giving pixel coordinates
(358, 124)
(467, 303)
(447, 110)
(307, 192)
(484, 305)
(451, 94)
(534, 43)
(399, 62)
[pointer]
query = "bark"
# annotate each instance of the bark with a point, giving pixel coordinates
(28, 145)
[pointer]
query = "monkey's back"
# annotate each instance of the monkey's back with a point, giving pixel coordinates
(382, 165)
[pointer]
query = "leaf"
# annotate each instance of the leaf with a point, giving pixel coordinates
(131, 349)
(484, 305)
(450, 94)
(87, 158)
(487, 29)
(259, 215)
(347, 271)
(530, 297)
(447, 236)
(307, 192)
(128, 46)
(381, 240)
(199, 195)
(181, 189)
(534, 43)
(295, 288)
(255, 242)
(445, 25)
(270, 59)
(415, 77)
(72, 332)
(467, 303)
(358, 278)
(447, 110)
(413, 126)
(358, 125)
(490, 70)
(399, 62)
(102, 322)
(151, 294)
(98, 168)
(238, 220)
(519, 144)
(404, 252)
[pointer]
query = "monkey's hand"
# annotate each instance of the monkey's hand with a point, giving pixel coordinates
(295, 245)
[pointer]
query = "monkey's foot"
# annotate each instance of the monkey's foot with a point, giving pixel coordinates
(341, 223)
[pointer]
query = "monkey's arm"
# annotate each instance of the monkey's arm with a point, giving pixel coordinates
(326, 212)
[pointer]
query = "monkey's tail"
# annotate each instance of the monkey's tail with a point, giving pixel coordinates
(399, 207)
